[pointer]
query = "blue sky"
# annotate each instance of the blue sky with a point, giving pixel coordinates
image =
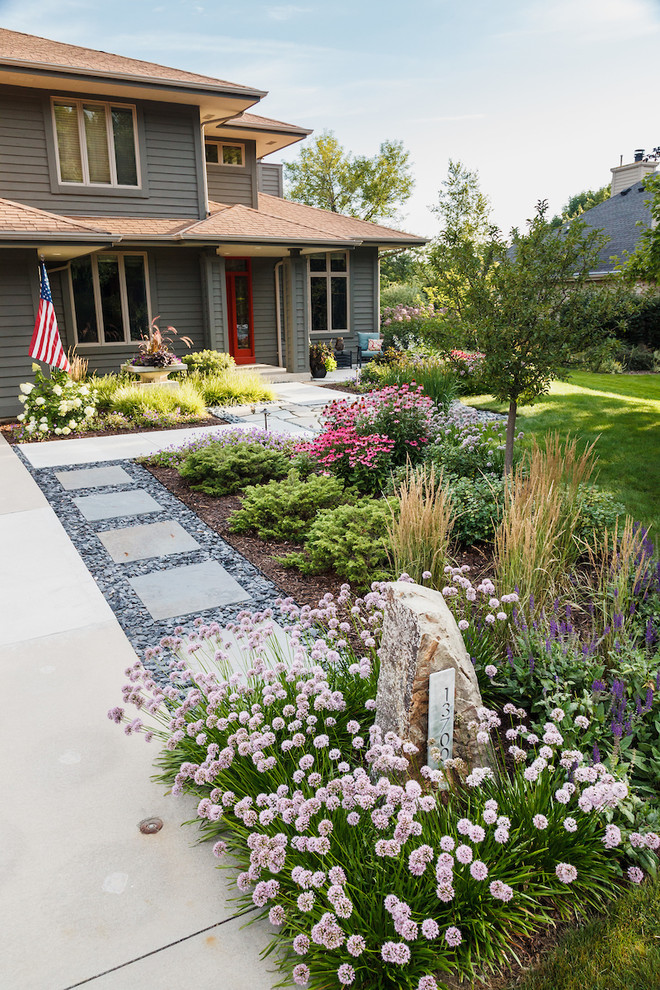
(542, 97)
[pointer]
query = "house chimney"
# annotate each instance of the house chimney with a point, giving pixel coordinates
(625, 176)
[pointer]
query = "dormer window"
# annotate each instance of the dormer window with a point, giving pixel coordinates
(220, 153)
(96, 143)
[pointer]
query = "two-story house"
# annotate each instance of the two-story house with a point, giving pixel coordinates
(145, 190)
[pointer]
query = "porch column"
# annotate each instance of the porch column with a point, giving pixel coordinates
(214, 299)
(297, 349)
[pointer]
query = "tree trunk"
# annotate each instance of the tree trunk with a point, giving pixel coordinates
(510, 437)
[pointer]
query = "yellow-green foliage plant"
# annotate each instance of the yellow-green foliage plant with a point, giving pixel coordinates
(420, 528)
(234, 388)
(138, 402)
(536, 543)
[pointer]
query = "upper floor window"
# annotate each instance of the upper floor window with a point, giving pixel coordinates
(219, 153)
(96, 143)
(110, 298)
(328, 291)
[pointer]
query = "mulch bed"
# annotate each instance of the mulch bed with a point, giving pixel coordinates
(339, 387)
(12, 431)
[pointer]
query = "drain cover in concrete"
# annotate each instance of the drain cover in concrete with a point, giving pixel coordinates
(93, 477)
(152, 540)
(182, 590)
(132, 503)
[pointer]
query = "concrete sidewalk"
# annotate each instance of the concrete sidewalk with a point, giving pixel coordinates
(87, 899)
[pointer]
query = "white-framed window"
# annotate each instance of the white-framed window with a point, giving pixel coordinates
(224, 153)
(96, 143)
(328, 291)
(110, 297)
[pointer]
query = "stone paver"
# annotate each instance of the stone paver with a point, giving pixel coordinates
(141, 542)
(93, 477)
(179, 591)
(112, 504)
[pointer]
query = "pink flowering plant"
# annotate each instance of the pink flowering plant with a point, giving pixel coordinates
(373, 876)
(363, 440)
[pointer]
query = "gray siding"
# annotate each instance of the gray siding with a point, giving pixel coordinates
(363, 298)
(269, 179)
(18, 307)
(231, 184)
(263, 308)
(169, 152)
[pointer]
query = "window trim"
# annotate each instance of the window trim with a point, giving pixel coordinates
(327, 275)
(66, 185)
(224, 144)
(123, 294)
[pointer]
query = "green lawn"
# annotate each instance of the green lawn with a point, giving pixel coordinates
(623, 413)
(618, 951)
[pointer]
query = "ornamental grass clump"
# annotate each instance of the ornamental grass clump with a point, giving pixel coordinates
(373, 878)
(142, 404)
(420, 528)
(536, 543)
(234, 387)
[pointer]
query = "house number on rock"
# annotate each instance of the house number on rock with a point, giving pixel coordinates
(441, 714)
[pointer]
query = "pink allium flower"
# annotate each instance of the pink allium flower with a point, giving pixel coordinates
(651, 840)
(612, 837)
(463, 625)
(395, 952)
(345, 974)
(464, 825)
(490, 670)
(430, 928)
(306, 900)
(540, 822)
(477, 833)
(220, 848)
(464, 854)
(301, 944)
(565, 872)
(300, 974)
(453, 936)
(479, 870)
(489, 816)
(570, 824)
(635, 875)
(501, 834)
(276, 915)
(427, 983)
(447, 843)
(501, 891)
(356, 945)
(353, 818)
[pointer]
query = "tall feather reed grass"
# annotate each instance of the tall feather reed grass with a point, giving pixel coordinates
(419, 532)
(79, 365)
(536, 544)
(620, 567)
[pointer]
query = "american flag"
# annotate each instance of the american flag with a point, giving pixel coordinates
(46, 344)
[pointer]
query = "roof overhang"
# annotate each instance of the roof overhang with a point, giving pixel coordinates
(267, 139)
(217, 102)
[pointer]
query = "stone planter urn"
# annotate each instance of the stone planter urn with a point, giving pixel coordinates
(151, 374)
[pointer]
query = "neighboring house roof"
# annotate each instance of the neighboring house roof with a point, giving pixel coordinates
(254, 122)
(622, 218)
(18, 48)
(18, 220)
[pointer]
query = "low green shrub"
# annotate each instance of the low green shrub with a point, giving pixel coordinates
(285, 510)
(208, 362)
(220, 469)
(477, 505)
(351, 540)
(135, 401)
(599, 510)
(234, 388)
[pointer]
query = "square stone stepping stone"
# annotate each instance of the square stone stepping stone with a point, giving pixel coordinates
(93, 477)
(151, 540)
(182, 590)
(132, 503)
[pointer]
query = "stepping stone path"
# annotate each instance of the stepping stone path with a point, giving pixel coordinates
(157, 564)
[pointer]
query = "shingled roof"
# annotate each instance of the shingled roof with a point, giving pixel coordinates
(19, 48)
(18, 220)
(622, 218)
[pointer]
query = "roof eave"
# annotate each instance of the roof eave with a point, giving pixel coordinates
(50, 68)
(38, 237)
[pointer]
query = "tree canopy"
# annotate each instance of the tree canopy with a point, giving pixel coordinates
(581, 202)
(327, 176)
(644, 263)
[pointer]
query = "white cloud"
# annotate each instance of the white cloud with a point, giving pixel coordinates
(286, 12)
(440, 120)
(588, 20)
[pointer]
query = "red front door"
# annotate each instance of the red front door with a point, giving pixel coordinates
(239, 306)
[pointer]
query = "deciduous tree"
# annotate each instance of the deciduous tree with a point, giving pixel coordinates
(327, 176)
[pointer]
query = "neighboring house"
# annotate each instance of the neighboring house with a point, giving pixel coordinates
(625, 214)
(145, 191)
